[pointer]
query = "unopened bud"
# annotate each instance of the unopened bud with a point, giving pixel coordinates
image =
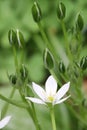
(12, 37)
(79, 23)
(13, 79)
(61, 67)
(83, 63)
(36, 12)
(23, 72)
(20, 38)
(61, 11)
(48, 59)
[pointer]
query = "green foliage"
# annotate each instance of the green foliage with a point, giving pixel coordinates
(17, 14)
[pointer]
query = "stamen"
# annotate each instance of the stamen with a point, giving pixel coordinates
(50, 98)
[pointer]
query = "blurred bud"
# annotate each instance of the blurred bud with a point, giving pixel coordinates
(79, 23)
(61, 11)
(20, 38)
(61, 67)
(13, 79)
(36, 12)
(48, 59)
(84, 103)
(83, 63)
(23, 72)
(12, 37)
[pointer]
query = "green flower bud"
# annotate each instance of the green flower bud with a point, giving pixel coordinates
(83, 63)
(12, 37)
(23, 72)
(61, 67)
(13, 79)
(48, 59)
(61, 11)
(79, 23)
(20, 38)
(36, 12)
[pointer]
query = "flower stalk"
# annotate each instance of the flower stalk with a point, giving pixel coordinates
(49, 45)
(53, 118)
(66, 40)
(15, 59)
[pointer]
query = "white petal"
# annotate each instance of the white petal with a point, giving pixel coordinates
(62, 91)
(62, 100)
(51, 86)
(35, 100)
(4, 121)
(39, 91)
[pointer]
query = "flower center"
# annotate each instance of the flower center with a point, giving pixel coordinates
(50, 98)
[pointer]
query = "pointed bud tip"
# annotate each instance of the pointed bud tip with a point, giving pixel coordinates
(48, 59)
(36, 12)
(61, 11)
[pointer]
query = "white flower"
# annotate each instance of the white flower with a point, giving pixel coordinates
(50, 94)
(4, 121)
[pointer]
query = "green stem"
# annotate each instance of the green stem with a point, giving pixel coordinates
(48, 44)
(5, 107)
(64, 77)
(53, 118)
(66, 39)
(15, 59)
(35, 117)
(28, 108)
(31, 112)
(80, 44)
(17, 104)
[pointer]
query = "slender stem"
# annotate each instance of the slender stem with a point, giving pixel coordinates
(48, 44)
(31, 112)
(53, 118)
(28, 108)
(5, 107)
(80, 44)
(66, 39)
(35, 117)
(15, 59)
(63, 77)
(17, 104)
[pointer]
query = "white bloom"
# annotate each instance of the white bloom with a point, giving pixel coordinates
(4, 121)
(50, 94)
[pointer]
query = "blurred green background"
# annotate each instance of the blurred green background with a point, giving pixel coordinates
(16, 14)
